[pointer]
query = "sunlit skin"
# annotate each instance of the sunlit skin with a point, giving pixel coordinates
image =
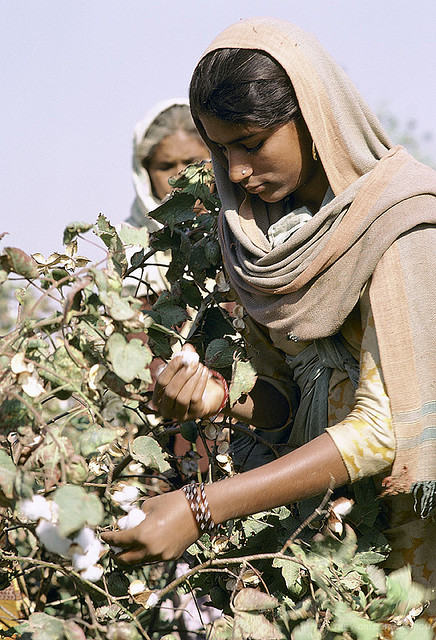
(171, 155)
(277, 161)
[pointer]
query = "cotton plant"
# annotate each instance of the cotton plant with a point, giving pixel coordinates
(84, 550)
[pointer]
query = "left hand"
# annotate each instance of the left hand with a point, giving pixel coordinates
(167, 531)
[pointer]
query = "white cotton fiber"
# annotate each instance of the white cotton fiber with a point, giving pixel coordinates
(188, 357)
(132, 519)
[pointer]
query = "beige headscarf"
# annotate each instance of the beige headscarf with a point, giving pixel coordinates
(307, 286)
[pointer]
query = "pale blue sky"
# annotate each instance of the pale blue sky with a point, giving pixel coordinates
(77, 74)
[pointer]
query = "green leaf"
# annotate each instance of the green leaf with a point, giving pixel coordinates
(95, 437)
(189, 430)
(77, 508)
(117, 307)
(291, 574)
(179, 208)
(420, 631)
(73, 631)
(8, 471)
(111, 239)
(134, 235)
(405, 594)
(254, 600)
(129, 359)
(190, 292)
(72, 230)
(255, 627)
(180, 252)
(341, 552)
(63, 370)
(147, 451)
(159, 342)
(307, 630)
(252, 526)
(41, 626)
(347, 620)
(219, 354)
(243, 380)
(21, 262)
(170, 311)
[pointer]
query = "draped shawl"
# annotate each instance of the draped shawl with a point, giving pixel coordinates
(380, 227)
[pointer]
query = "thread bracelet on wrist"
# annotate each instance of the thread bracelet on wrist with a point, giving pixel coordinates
(223, 381)
(196, 497)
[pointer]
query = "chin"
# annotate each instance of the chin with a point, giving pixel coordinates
(270, 199)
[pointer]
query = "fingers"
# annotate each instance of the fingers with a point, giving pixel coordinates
(180, 386)
(132, 552)
(135, 555)
(123, 539)
(189, 401)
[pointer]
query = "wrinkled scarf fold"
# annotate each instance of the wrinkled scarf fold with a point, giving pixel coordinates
(306, 287)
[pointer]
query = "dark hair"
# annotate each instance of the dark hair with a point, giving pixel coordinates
(245, 86)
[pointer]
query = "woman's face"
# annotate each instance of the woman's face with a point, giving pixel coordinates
(171, 155)
(272, 162)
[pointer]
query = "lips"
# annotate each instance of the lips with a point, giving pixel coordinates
(255, 188)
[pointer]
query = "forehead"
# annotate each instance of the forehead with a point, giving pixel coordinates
(226, 133)
(178, 144)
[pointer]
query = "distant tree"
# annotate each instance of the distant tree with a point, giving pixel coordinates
(409, 134)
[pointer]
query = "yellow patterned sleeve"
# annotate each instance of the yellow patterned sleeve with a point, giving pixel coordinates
(365, 437)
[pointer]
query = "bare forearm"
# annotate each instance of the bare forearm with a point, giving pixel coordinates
(256, 407)
(303, 473)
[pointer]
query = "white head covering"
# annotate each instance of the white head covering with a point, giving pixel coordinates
(145, 200)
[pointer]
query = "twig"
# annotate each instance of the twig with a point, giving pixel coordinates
(319, 512)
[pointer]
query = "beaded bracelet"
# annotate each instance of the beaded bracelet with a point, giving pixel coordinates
(196, 497)
(223, 381)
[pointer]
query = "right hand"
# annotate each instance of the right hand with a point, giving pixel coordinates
(168, 529)
(186, 392)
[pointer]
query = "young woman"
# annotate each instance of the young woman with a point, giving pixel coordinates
(328, 239)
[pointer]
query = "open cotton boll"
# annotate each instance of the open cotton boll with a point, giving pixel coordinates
(132, 519)
(92, 573)
(91, 547)
(188, 357)
(35, 508)
(52, 540)
(126, 497)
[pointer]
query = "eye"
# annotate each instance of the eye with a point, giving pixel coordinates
(255, 148)
(164, 167)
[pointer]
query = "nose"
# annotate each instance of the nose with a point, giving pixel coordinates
(239, 168)
(179, 167)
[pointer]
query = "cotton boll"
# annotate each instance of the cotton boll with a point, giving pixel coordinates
(36, 508)
(188, 357)
(132, 519)
(126, 497)
(92, 573)
(30, 383)
(92, 548)
(85, 538)
(50, 537)
(153, 600)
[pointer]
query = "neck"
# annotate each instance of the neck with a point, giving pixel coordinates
(312, 192)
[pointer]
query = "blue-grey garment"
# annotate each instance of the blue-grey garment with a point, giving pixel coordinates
(311, 369)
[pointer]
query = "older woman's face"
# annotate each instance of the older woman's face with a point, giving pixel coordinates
(171, 155)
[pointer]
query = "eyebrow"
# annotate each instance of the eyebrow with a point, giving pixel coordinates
(237, 140)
